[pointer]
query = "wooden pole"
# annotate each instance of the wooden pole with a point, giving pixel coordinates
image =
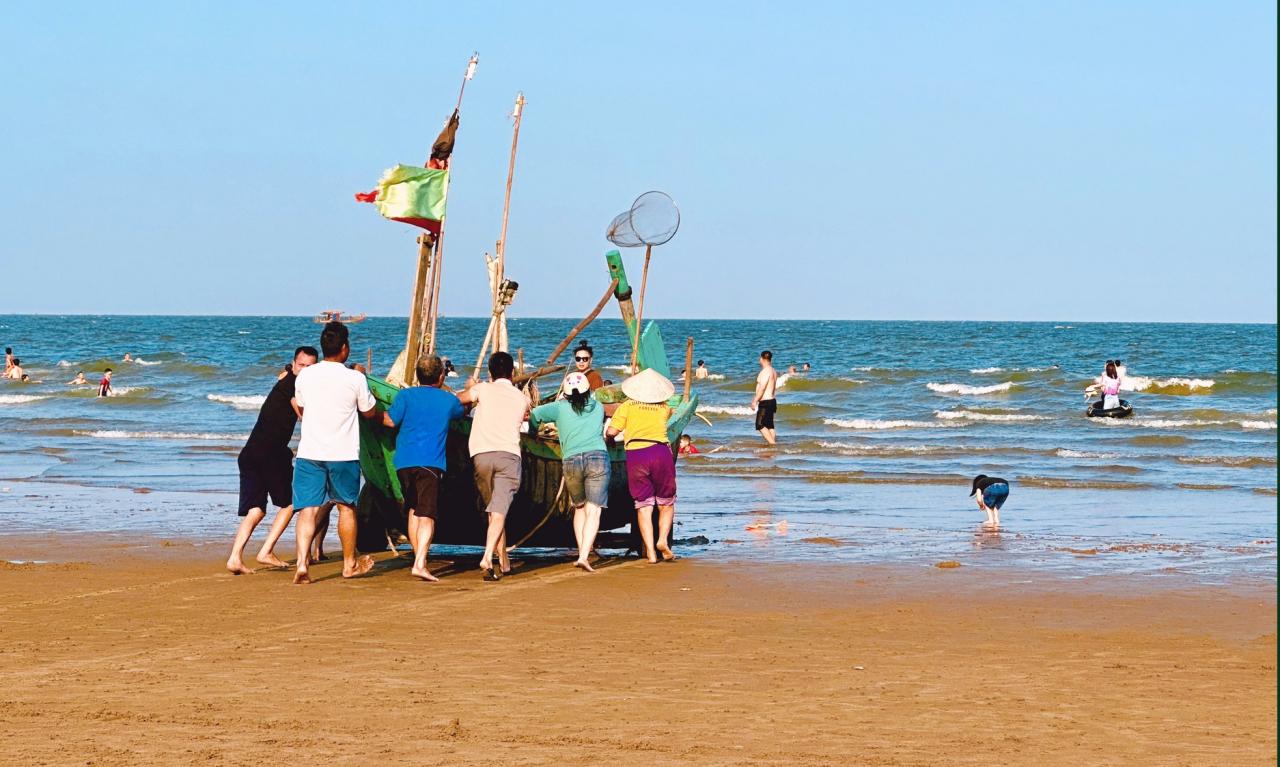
(520, 360)
(419, 308)
(688, 367)
(368, 368)
(585, 322)
(644, 281)
(501, 249)
(436, 275)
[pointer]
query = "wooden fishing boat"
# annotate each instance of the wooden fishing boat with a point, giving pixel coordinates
(540, 514)
(334, 315)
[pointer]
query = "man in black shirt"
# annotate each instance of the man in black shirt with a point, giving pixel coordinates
(266, 467)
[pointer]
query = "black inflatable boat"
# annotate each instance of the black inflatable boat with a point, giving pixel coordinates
(1097, 411)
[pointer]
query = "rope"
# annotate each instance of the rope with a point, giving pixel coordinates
(550, 510)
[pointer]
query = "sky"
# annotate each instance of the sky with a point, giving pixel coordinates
(1086, 161)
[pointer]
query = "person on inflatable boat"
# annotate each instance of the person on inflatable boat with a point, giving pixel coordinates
(1109, 384)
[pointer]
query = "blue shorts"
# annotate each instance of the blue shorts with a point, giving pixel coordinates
(318, 482)
(586, 478)
(993, 497)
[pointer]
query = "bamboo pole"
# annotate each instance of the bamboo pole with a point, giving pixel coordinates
(688, 367)
(418, 309)
(585, 322)
(368, 367)
(520, 360)
(545, 370)
(644, 281)
(501, 249)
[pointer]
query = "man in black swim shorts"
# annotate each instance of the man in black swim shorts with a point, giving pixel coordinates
(764, 402)
(266, 467)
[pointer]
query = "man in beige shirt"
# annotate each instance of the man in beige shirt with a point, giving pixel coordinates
(500, 409)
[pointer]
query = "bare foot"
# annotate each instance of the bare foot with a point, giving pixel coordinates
(302, 577)
(584, 565)
(271, 560)
(667, 554)
(423, 574)
(236, 567)
(363, 565)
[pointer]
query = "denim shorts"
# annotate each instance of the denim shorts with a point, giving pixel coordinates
(586, 478)
(318, 482)
(994, 496)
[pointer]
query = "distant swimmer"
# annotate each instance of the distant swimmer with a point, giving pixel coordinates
(687, 447)
(991, 492)
(127, 357)
(765, 401)
(791, 370)
(104, 386)
(805, 368)
(8, 359)
(79, 380)
(701, 371)
(14, 371)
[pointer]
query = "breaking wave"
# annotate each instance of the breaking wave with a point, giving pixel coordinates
(1167, 385)
(974, 415)
(120, 434)
(21, 399)
(726, 409)
(955, 388)
(876, 424)
(239, 401)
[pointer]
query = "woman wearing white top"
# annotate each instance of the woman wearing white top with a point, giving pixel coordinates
(1109, 384)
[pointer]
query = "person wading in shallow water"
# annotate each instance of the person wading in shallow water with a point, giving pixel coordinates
(992, 492)
(422, 414)
(266, 467)
(329, 397)
(764, 402)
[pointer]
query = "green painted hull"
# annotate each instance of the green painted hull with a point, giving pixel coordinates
(539, 503)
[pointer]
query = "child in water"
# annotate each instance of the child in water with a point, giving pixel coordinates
(687, 447)
(992, 492)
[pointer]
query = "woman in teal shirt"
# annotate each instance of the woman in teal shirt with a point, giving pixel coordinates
(579, 421)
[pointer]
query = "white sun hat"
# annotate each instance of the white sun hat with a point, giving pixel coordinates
(648, 386)
(576, 383)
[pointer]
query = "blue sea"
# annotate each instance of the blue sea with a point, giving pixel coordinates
(877, 442)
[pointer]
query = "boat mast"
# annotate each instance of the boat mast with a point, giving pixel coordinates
(426, 286)
(497, 332)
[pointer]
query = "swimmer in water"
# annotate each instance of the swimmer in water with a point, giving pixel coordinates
(687, 447)
(701, 371)
(104, 386)
(15, 371)
(127, 357)
(79, 380)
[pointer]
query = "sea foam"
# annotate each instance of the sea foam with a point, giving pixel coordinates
(876, 424)
(955, 388)
(239, 401)
(120, 434)
(726, 409)
(972, 415)
(21, 399)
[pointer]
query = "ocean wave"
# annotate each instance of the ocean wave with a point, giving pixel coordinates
(239, 401)
(876, 424)
(1063, 452)
(955, 388)
(1173, 385)
(120, 434)
(1258, 424)
(715, 376)
(726, 409)
(21, 399)
(124, 391)
(1183, 423)
(1234, 461)
(64, 364)
(974, 415)
(146, 363)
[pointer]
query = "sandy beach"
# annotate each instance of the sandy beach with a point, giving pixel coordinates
(118, 653)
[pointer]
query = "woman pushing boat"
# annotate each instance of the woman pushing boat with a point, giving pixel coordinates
(579, 421)
(651, 464)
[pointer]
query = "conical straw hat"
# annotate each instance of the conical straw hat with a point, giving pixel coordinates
(648, 386)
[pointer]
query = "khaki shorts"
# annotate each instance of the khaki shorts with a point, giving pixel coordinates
(497, 479)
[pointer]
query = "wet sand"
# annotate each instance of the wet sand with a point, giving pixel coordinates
(115, 654)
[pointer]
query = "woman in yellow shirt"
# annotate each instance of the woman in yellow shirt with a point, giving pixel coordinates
(651, 465)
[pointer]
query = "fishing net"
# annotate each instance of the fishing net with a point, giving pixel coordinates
(652, 220)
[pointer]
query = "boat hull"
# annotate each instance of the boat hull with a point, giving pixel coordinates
(540, 514)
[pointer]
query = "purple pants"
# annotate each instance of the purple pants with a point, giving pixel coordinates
(651, 476)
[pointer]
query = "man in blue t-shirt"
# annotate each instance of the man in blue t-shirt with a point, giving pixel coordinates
(422, 413)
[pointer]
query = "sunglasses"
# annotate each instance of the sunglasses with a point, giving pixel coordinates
(581, 359)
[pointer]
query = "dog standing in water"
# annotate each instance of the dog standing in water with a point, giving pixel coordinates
(992, 492)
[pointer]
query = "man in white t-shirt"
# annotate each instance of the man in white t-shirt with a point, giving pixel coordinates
(501, 408)
(329, 397)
